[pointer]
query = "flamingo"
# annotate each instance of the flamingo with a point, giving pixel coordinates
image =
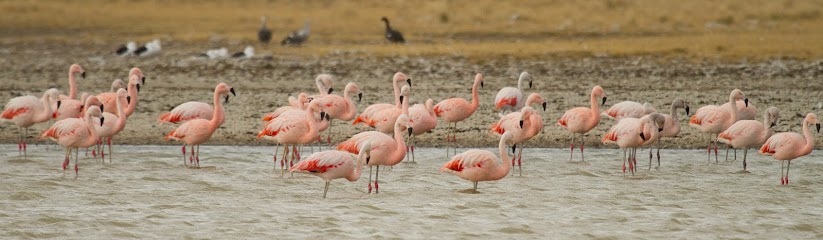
(198, 131)
(75, 133)
(423, 120)
(788, 146)
(672, 127)
(383, 120)
(117, 84)
(367, 113)
(386, 151)
(454, 110)
(69, 108)
(392, 35)
(630, 133)
(533, 124)
(581, 120)
(74, 70)
(294, 128)
(109, 100)
(337, 107)
(325, 85)
(745, 111)
(330, 165)
(713, 119)
(298, 103)
(628, 109)
(71, 105)
(113, 124)
(750, 133)
(481, 165)
(510, 98)
(25, 111)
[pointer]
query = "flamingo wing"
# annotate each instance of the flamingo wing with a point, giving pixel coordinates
(738, 129)
(709, 115)
(188, 111)
(19, 106)
(579, 114)
(321, 162)
(780, 141)
(508, 96)
(507, 122)
(468, 160)
(64, 128)
(449, 105)
(629, 127)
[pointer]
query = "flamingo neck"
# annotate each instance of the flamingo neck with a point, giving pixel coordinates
(673, 112)
(132, 89)
(92, 131)
(351, 110)
(520, 84)
(356, 173)
(503, 168)
(595, 109)
(121, 119)
(314, 125)
(430, 108)
(475, 97)
(396, 86)
(807, 134)
(44, 115)
(400, 150)
(218, 116)
(72, 86)
(733, 105)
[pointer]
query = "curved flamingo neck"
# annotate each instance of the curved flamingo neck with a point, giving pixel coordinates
(44, 115)
(351, 110)
(72, 86)
(121, 119)
(504, 168)
(807, 134)
(430, 108)
(475, 97)
(396, 85)
(132, 89)
(356, 173)
(520, 84)
(218, 116)
(595, 108)
(400, 150)
(733, 105)
(92, 139)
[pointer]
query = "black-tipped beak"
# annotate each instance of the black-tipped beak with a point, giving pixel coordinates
(530, 84)
(143, 79)
(102, 119)
(331, 90)
(401, 99)
(481, 84)
(687, 111)
(408, 81)
(368, 158)
(660, 129)
(544, 106)
(226, 99)
(232, 91)
(101, 108)
(521, 123)
(328, 117)
(359, 97)
(138, 87)
(643, 136)
(746, 101)
(772, 125)
(818, 127)
(83, 75)
(58, 104)
(128, 99)
(322, 115)
(604, 101)
(514, 148)
(411, 130)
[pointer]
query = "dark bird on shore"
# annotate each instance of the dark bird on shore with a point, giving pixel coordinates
(126, 49)
(392, 35)
(299, 36)
(264, 35)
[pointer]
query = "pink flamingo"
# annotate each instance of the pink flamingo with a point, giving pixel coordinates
(481, 165)
(672, 127)
(298, 103)
(581, 120)
(75, 133)
(745, 111)
(337, 107)
(70, 108)
(532, 125)
(628, 109)
(423, 120)
(74, 70)
(113, 124)
(367, 113)
(511, 99)
(788, 145)
(750, 133)
(630, 133)
(383, 120)
(330, 165)
(117, 84)
(325, 85)
(198, 131)
(386, 151)
(454, 110)
(25, 111)
(713, 119)
(109, 100)
(294, 128)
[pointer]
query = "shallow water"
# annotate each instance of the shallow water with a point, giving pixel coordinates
(148, 193)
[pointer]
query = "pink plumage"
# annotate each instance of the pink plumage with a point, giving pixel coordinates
(198, 131)
(628, 109)
(74, 133)
(788, 146)
(367, 114)
(454, 110)
(713, 119)
(481, 165)
(109, 100)
(581, 120)
(510, 98)
(330, 165)
(26, 111)
(386, 150)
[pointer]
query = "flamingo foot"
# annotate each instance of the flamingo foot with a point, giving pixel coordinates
(369, 187)
(25, 146)
(328, 140)
(782, 181)
(376, 187)
(624, 167)
(184, 149)
(66, 164)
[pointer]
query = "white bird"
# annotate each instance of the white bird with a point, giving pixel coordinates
(126, 50)
(151, 48)
(246, 53)
(510, 98)
(216, 53)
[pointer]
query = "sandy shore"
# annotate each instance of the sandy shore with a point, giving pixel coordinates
(262, 84)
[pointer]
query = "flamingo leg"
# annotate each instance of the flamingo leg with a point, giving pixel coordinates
(658, 153)
(633, 161)
(110, 152)
(184, 154)
(624, 162)
(370, 168)
(709, 150)
(20, 142)
(67, 152)
(745, 152)
(76, 159)
(283, 160)
(102, 151)
(788, 166)
(475, 186)
(376, 178)
(197, 158)
(25, 152)
(582, 143)
(782, 165)
(326, 190)
(571, 154)
(276, 147)
(519, 158)
(727, 152)
(715, 148)
(650, 157)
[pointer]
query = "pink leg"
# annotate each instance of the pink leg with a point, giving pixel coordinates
(197, 157)
(183, 149)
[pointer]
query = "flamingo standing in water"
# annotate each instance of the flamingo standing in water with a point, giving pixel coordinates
(75, 133)
(423, 120)
(25, 111)
(532, 125)
(113, 124)
(510, 98)
(298, 103)
(337, 107)
(481, 165)
(713, 119)
(109, 100)
(628, 109)
(383, 120)
(750, 133)
(386, 151)
(581, 120)
(672, 127)
(745, 111)
(70, 105)
(296, 127)
(630, 133)
(367, 113)
(454, 110)
(788, 145)
(198, 131)
(330, 165)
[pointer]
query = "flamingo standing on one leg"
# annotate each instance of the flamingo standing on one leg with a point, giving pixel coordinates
(367, 113)
(26, 111)
(75, 133)
(423, 120)
(198, 131)
(672, 127)
(383, 120)
(788, 146)
(337, 107)
(532, 125)
(330, 165)
(386, 151)
(481, 165)
(581, 120)
(294, 128)
(750, 133)
(113, 124)
(109, 100)
(628, 109)
(630, 133)
(454, 110)
(510, 98)
(713, 119)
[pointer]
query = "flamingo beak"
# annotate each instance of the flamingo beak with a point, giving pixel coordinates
(481, 84)
(401, 99)
(368, 158)
(746, 101)
(530, 84)
(227, 99)
(818, 127)
(359, 97)
(101, 108)
(128, 99)
(514, 148)
(660, 129)
(772, 125)
(544, 106)
(83, 75)
(322, 115)
(687, 110)
(410, 131)
(328, 117)
(138, 87)
(102, 120)
(143, 80)
(604, 101)
(521, 123)
(331, 90)
(58, 104)
(643, 136)
(232, 91)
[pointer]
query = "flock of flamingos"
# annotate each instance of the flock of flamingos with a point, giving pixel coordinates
(90, 120)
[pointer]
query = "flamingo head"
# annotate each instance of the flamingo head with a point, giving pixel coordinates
(77, 69)
(139, 73)
(525, 76)
(598, 92)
